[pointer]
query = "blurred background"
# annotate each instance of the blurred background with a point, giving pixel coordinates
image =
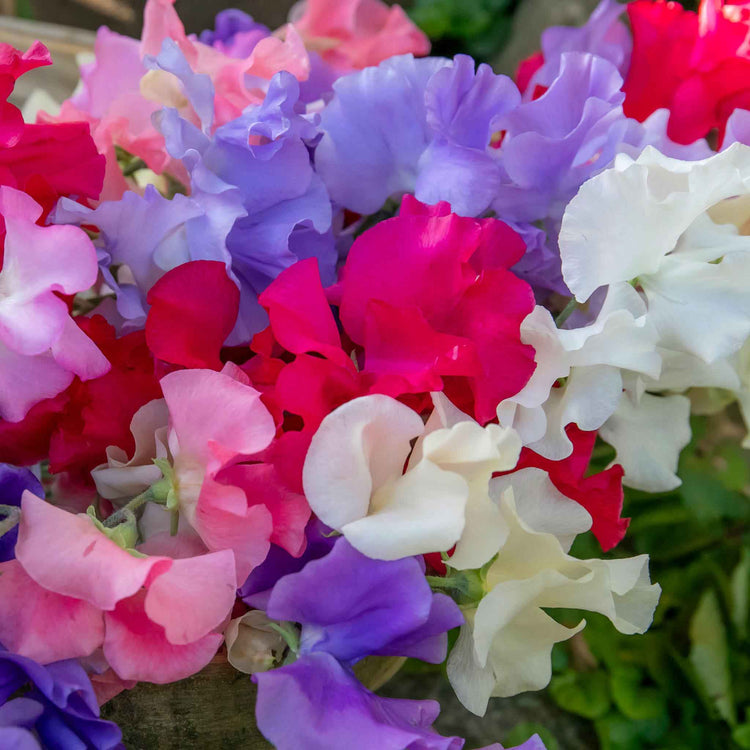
(685, 685)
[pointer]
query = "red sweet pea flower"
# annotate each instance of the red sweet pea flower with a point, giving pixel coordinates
(696, 65)
(600, 494)
(193, 310)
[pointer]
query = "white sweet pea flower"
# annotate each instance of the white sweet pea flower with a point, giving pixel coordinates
(648, 437)
(593, 358)
(676, 227)
(355, 482)
(505, 645)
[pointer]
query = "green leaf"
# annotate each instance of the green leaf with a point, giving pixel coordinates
(741, 736)
(582, 693)
(709, 654)
(740, 595)
(632, 698)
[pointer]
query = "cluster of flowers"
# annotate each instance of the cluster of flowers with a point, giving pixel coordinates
(299, 327)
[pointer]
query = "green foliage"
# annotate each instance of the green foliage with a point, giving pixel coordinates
(686, 683)
(479, 28)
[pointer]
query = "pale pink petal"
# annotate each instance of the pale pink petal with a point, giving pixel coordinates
(193, 597)
(24, 381)
(76, 352)
(41, 624)
(225, 520)
(138, 649)
(67, 554)
(215, 417)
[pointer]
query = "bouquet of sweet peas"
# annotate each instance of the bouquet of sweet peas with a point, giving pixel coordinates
(307, 339)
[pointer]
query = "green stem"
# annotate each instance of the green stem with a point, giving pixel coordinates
(288, 633)
(566, 313)
(122, 514)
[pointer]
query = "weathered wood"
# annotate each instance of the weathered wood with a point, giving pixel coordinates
(214, 709)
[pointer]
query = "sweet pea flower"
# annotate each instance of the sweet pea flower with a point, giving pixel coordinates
(154, 616)
(119, 93)
(688, 255)
(355, 34)
(414, 126)
(505, 646)
(256, 172)
(673, 247)
(208, 426)
(379, 608)
(58, 710)
(620, 342)
(603, 35)
(41, 347)
(428, 294)
(694, 64)
(354, 480)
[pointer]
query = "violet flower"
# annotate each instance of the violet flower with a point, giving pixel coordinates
(350, 606)
(56, 707)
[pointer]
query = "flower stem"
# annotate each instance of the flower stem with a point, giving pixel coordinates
(566, 313)
(122, 514)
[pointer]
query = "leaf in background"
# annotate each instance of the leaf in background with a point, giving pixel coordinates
(740, 595)
(582, 693)
(709, 654)
(633, 699)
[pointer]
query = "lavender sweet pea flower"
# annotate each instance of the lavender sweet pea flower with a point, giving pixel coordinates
(58, 710)
(235, 34)
(317, 704)
(146, 234)
(421, 126)
(14, 482)
(553, 144)
(350, 606)
(261, 159)
(603, 35)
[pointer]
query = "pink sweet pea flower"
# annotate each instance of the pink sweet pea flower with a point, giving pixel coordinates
(354, 34)
(120, 94)
(41, 347)
(227, 490)
(155, 616)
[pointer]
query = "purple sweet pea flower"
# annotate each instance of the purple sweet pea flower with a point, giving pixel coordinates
(317, 704)
(58, 711)
(379, 607)
(540, 266)
(235, 34)
(603, 35)
(350, 606)
(414, 126)
(553, 144)
(14, 481)
(261, 160)
(256, 590)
